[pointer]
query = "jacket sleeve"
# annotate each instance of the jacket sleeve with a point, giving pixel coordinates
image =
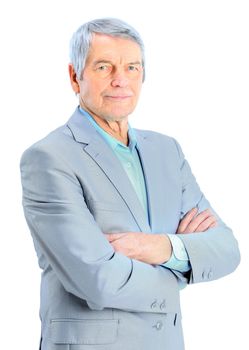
(67, 238)
(213, 253)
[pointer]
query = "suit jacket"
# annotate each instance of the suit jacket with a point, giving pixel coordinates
(74, 191)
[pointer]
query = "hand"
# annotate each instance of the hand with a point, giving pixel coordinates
(149, 248)
(197, 223)
(156, 248)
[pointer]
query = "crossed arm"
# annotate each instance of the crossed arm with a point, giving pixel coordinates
(61, 224)
(155, 249)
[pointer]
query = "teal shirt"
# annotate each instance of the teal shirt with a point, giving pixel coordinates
(129, 158)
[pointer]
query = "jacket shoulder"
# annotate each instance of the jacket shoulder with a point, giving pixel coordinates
(56, 141)
(160, 140)
(153, 135)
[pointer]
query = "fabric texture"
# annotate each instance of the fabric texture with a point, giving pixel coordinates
(129, 158)
(74, 191)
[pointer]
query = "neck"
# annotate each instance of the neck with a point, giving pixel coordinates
(117, 128)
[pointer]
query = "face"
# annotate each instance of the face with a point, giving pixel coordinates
(112, 78)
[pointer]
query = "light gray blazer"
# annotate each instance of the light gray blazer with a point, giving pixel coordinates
(74, 191)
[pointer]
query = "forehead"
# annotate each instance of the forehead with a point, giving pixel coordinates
(110, 48)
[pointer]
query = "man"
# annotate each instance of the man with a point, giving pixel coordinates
(118, 221)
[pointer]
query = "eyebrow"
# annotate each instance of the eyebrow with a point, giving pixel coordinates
(107, 61)
(101, 61)
(136, 63)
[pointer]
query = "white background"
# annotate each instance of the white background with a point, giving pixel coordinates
(196, 90)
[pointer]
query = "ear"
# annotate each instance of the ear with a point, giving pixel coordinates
(73, 79)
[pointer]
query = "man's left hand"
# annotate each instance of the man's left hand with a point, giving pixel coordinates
(156, 249)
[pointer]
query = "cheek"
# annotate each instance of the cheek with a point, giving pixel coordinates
(137, 85)
(136, 90)
(91, 93)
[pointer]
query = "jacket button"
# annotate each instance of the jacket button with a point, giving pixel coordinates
(154, 305)
(163, 305)
(210, 274)
(158, 325)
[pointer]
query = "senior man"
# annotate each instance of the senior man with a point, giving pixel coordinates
(118, 221)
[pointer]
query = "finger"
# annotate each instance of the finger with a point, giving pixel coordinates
(115, 246)
(198, 220)
(214, 225)
(206, 224)
(123, 247)
(186, 220)
(114, 236)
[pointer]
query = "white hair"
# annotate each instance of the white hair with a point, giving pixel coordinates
(81, 40)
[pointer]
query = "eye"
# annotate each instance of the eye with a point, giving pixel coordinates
(132, 68)
(102, 67)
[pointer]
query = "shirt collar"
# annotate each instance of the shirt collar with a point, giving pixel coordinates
(114, 143)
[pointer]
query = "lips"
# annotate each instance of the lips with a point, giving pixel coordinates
(118, 97)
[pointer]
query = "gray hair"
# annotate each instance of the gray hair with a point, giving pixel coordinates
(81, 40)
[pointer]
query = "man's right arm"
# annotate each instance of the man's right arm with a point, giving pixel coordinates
(67, 235)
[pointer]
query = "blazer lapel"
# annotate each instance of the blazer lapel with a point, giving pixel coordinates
(155, 178)
(99, 150)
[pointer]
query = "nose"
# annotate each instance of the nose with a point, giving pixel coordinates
(119, 79)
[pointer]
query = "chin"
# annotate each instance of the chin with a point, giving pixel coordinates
(115, 118)
(114, 115)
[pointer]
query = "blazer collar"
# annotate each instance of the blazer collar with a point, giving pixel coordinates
(95, 145)
(81, 128)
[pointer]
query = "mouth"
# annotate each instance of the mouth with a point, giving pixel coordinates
(118, 97)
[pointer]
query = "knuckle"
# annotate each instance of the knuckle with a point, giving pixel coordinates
(202, 227)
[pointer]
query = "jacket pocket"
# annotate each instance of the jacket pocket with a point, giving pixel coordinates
(71, 331)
